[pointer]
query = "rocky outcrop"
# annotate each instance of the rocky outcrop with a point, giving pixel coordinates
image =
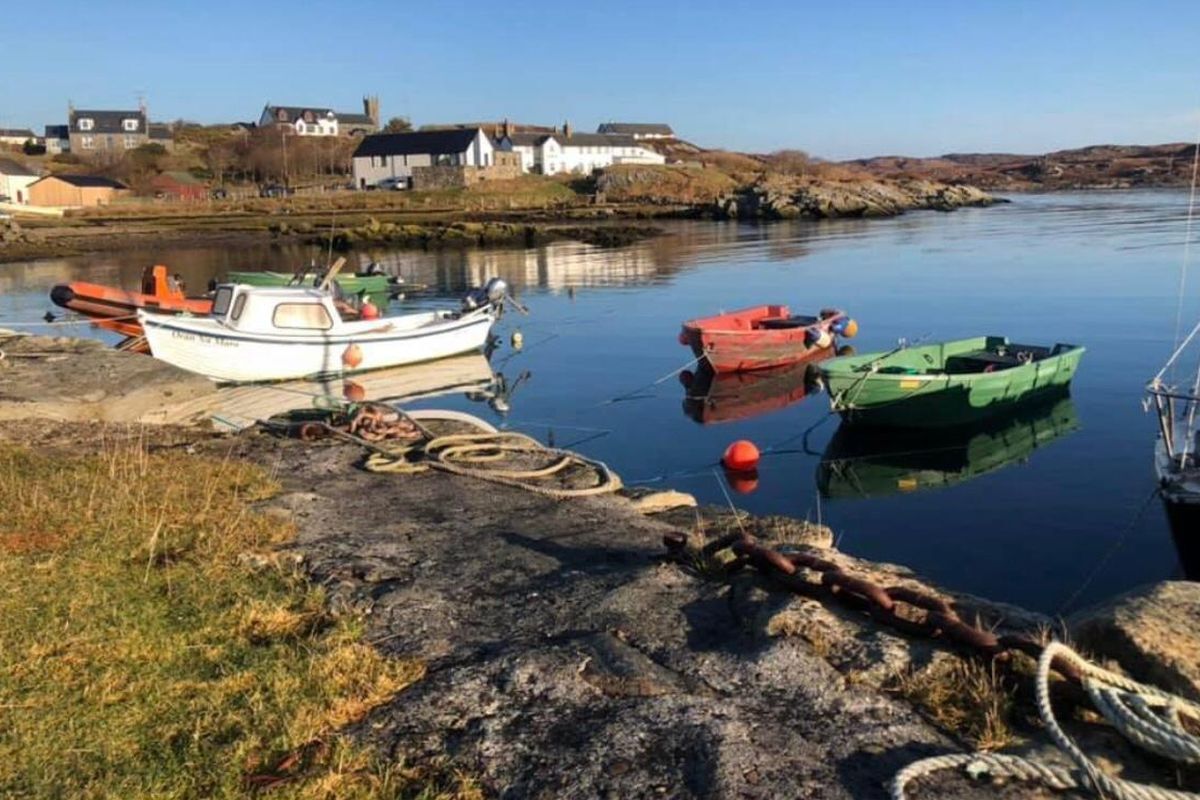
(83, 380)
(1152, 632)
(827, 200)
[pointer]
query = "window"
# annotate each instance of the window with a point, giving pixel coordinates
(86, 124)
(238, 305)
(221, 301)
(306, 316)
(130, 125)
(130, 141)
(87, 143)
(300, 127)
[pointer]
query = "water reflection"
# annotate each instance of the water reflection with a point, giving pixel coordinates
(241, 406)
(863, 462)
(723, 397)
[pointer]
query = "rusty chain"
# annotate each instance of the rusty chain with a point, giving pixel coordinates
(902, 608)
(372, 422)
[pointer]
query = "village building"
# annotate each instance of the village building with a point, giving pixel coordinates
(178, 186)
(66, 191)
(96, 132)
(161, 135)
(399, 156)
(638, 130)
(58, 139)
(314, 121)
(17, 136)
(579, 153)
(15, 179)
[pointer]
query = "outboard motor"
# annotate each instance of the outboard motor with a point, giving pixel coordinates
(493, 292)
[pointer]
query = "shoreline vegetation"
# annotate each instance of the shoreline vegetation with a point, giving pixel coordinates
(616, 207)
(202, 614)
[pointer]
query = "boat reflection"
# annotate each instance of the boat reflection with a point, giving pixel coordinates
(1184, 521)
(871, 462)
(240, 407)
(724, 397)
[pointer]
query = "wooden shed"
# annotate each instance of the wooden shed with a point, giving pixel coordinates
(75, 190)
(178, 186)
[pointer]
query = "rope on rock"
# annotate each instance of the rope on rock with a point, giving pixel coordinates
(1146, 715)
(467, 454)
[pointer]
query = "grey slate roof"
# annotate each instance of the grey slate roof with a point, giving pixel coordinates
(10, 167)
(593, 140)
(23, 132)
(58, 131)
(107, 121)
(636, 127)
(88, 181)
(297, 112)
(432, 142)
(161, 132)
(354, 119)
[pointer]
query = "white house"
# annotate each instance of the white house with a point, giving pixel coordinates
(14, 182)
(17, 136)
(394, 155)
(306, 121)
(581, 153)
(638, 130)
(58, 139)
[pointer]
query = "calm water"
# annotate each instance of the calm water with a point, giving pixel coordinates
(1048, 511)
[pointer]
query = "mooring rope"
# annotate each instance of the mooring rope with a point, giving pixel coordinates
(73, 321)
(464, 453)
(1146, 715)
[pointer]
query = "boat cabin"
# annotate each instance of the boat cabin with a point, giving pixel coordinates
(280, 310)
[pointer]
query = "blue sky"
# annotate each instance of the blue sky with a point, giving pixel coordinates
(839, 80)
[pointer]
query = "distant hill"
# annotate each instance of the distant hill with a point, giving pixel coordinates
(1103, 166)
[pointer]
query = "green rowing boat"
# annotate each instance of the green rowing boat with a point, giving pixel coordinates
(947, 383)
(379, 288)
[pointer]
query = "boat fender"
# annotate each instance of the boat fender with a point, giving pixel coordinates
(352, 356)
(368, 311)
(518, 340)
(846, 327)
(818, 338)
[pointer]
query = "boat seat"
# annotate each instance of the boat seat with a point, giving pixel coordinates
(786, 322)
(980, 361)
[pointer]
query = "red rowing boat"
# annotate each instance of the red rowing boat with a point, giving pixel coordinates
(763, 336)
(116, 309)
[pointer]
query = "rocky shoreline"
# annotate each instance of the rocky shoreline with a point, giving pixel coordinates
(619, 211)
(567, 656)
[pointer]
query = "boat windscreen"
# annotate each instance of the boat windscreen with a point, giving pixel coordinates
(221, 300)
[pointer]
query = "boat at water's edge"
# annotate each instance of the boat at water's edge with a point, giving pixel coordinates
(115, 310)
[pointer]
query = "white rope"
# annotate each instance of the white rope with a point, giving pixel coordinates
(1187, 242)
(1146, 715)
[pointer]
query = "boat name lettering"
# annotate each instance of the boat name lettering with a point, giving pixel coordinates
(202, 339)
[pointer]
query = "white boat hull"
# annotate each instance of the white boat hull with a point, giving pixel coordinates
(205, 347)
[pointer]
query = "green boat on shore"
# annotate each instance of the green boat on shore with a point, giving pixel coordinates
(379, 287)
(946, 383)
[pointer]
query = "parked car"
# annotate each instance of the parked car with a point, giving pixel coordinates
(219, 193)
(393, 184)
(274, 190)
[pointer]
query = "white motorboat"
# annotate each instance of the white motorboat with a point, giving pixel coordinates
(258, 334)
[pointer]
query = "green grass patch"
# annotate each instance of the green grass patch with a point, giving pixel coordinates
(154, 642)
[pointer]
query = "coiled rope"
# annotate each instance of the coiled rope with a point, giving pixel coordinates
(467, 453)
(1147, 716)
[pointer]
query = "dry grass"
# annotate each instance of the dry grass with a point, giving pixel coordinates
(964, 697)
(140, 656)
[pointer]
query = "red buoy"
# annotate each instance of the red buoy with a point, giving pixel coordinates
(740, 456)
(369, 311)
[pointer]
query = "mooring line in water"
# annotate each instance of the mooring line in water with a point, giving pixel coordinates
(72, 321)
(1112, 551)
(630, 394)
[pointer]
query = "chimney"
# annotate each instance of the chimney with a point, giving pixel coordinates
(508, 128)
(567, 129)
(371, 108)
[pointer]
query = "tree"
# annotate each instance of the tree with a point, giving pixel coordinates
(398, 125)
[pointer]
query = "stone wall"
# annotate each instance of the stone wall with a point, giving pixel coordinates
(458, 177)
